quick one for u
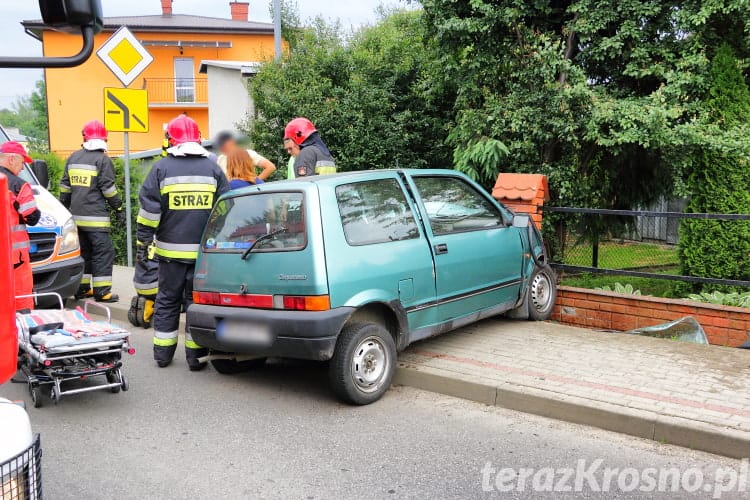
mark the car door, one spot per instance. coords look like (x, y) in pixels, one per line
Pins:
(478, 258)
(375, 249)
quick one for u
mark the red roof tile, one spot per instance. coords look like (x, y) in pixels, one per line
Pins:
(525, 187)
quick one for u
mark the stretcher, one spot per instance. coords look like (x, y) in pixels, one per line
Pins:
(58, 346)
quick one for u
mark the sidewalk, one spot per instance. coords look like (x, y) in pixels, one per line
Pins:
(690, 395)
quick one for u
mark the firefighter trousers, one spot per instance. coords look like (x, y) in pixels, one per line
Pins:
(175, 283)
(99, 256)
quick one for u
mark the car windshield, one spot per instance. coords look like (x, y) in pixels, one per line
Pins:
(237, 222)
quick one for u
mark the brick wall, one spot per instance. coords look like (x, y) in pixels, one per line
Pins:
(613, 311)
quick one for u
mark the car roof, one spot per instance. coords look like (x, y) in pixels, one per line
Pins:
(335, 178)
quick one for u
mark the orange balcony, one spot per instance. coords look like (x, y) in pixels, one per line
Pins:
(176, 92)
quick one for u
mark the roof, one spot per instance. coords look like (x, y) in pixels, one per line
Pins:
(526, 187)
(246, 68)
(174, 23)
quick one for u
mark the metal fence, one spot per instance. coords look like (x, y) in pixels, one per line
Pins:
(172, 91)
(630, 243)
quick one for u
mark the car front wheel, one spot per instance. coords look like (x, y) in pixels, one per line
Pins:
(542, 293)
(363, 363)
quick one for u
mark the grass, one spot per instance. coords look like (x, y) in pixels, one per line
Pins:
(648, 286)
(623, 255)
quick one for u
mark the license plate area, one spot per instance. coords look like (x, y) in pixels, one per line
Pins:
(244, 334)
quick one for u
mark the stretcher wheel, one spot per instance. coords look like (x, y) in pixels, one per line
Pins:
(124, 383)
(55, 394)
(111, 379)
(36, 396)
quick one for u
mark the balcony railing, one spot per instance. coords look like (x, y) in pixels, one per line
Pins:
(176, 91)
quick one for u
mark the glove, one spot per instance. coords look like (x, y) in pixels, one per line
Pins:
(141, 252)
(121, 217)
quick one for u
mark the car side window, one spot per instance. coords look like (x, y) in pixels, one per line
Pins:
(375, 212)
(453, 206)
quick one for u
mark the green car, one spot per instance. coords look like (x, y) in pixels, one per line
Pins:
(354, 267)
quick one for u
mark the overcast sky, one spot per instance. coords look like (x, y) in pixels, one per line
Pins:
(13, 40)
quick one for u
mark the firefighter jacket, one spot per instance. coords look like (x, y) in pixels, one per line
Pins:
(314, 158)
(22, 211)
(176, 199)
(87, 187)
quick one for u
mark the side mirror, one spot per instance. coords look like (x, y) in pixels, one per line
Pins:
(39, 167)
(521, 221)
(72, 15)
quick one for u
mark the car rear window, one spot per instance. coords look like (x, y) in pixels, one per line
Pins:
(237, 222)
(375, 212)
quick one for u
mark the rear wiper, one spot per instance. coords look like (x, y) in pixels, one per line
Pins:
(266, 236)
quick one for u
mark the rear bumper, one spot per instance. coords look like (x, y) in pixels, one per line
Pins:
(63, 277)
(295, 334)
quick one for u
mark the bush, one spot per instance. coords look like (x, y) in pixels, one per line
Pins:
(138, 173)
(55, 167)
(723, 299)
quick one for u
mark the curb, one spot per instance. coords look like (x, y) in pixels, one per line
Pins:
(648, 425)
(643, 424)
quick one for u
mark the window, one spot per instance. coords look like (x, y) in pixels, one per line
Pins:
(453, 206)
(184, 79)
(236, 223)
(375, 212)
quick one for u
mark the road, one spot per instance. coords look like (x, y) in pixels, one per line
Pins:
(279, 433)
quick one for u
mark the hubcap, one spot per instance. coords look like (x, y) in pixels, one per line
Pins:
(370, 364)
(541, 292)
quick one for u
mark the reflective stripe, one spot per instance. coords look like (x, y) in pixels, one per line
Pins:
(176, 250)
(187, 179)
(82, 166)
(325, 167)
(18, 227)
(147, 291)
(82, 172)
(146, 286)
(27, 206)
(165, 342)
(189, 344)
(166, 335)
(64, 188)
(110, 192)
(20, 245)
(86, 279)
(86, 221)
(148, 219)
(195, 188)
(102, 280)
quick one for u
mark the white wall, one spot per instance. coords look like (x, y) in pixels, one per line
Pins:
(228, 99)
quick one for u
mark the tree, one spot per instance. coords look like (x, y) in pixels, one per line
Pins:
(370, 94)
(29, 115)
(719, 182)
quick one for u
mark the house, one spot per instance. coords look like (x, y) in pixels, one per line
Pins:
(228, 92)
(179, 44)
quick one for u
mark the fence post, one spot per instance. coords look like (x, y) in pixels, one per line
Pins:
(595, 249)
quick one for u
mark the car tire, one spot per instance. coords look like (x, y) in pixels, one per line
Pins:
(233, 367)
(542, 293)
(363, 363)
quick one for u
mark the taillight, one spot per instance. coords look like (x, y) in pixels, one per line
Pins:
(233, 299)
(307, 302)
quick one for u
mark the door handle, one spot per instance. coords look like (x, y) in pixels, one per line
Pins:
(440, 249)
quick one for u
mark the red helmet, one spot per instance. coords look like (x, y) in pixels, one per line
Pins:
(298, 130)
(94, 130)
(183, 129)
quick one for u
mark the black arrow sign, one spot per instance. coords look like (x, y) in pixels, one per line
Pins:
(126, 114)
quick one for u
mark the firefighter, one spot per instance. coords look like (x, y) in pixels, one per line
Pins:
(146, 283)
(87, 187)
(314, 157)
(176, 200)
(23, 211)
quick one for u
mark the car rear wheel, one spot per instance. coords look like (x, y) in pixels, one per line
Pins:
(233, 367)
(363, 363)
(542, 293)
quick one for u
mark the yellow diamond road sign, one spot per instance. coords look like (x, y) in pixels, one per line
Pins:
(124, 55)
(125, 110)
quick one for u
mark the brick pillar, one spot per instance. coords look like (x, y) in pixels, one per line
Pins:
(523, 193)
(166, 7)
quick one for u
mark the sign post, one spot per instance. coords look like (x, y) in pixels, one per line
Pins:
(125, 110)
